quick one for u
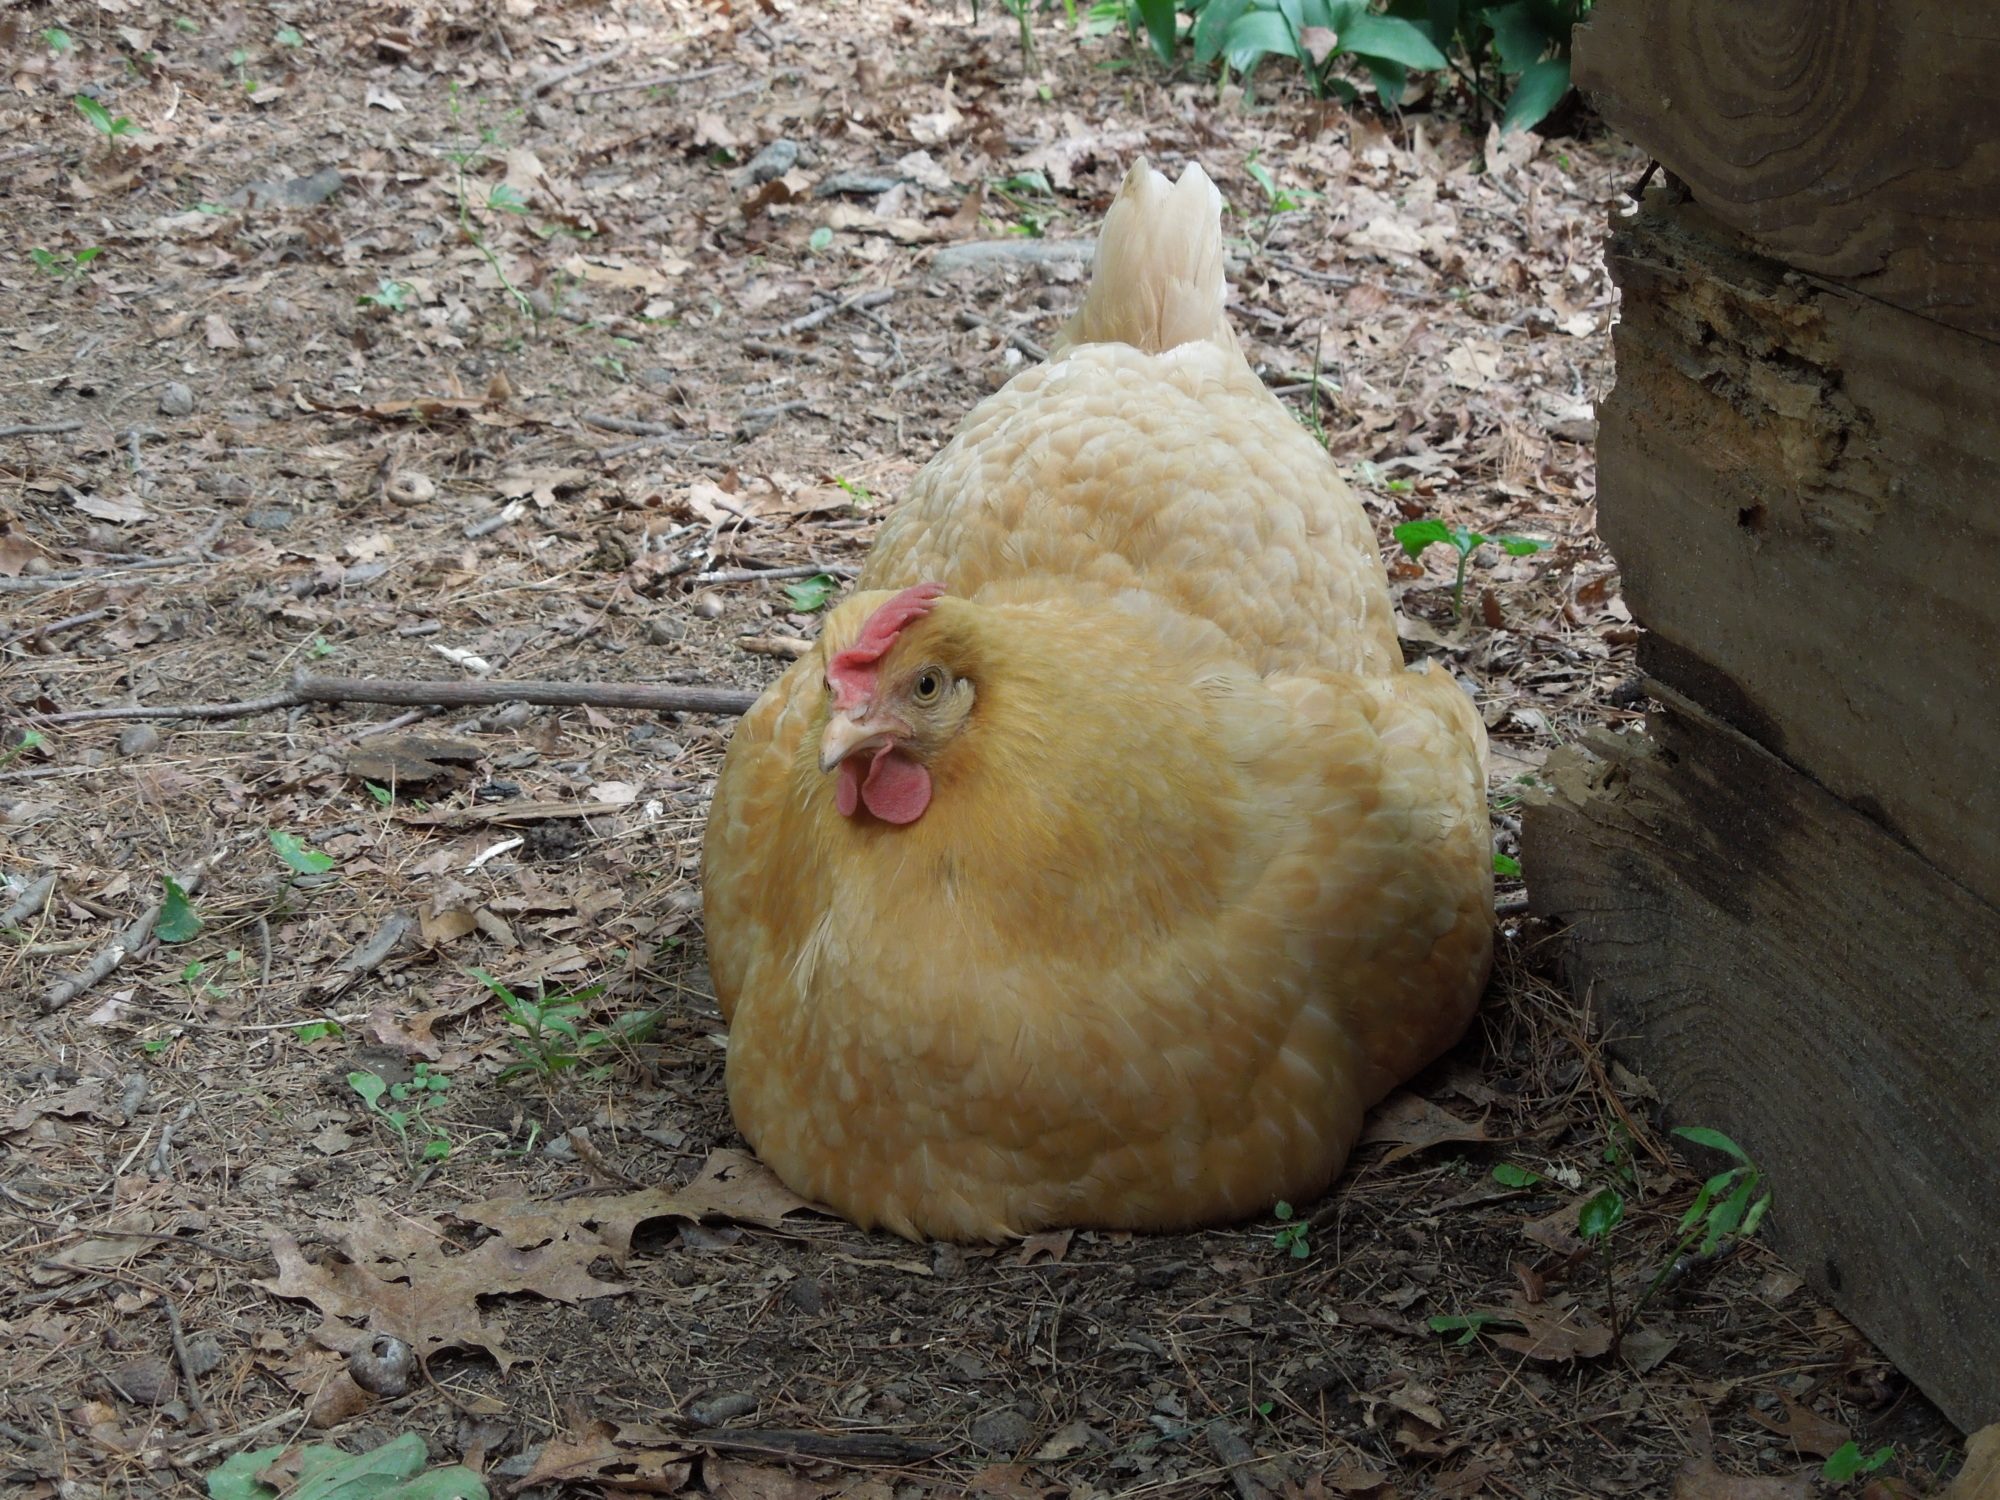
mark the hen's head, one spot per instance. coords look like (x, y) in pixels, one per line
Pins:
(896, 698)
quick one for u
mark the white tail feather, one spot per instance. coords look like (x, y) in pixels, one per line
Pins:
(1156, 280)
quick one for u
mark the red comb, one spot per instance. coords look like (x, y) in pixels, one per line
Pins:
(852, 672)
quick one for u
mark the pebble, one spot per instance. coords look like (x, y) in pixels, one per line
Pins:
(708, 604)
(724, 1406)
(664, 630)
(138, 740)
(775, 160)
(805, 1295)
(1002, 1433)
(176, 400)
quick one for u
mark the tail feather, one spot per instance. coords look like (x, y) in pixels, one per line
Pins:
(1156, 280)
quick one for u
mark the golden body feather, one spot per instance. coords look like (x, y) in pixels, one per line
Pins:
(1203, 872)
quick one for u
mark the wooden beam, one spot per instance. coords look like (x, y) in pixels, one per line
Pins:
(1857, 139)
(1785, 972)
(1800, 486)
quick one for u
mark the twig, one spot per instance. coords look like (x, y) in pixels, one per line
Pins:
(1237, 1456)
(128, 942)
(862, 1447)
(507, 514)
(895, 339)
(564, 74)
(761, 419)
(790, 647)
(1518, 906)
(668, 697)
(1019, 340)
(820, 315)
(33, 899)
(54, 627)
(757, 575)
(640, 445)
(186, 1361)
(633, 425)
(202, 1452)
(306, 688)
(656, 81)
(40, 429)
(81, 575)
(779, 351)
(184, 711)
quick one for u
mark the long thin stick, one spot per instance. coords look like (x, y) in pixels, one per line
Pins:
(696, 698)
(39, 429)
(121, 947)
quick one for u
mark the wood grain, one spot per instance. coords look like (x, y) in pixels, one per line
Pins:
(1783, 971)
(1799, 485)
(1857, 139)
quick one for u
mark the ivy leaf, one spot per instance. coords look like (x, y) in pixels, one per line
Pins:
(178, 921)
(298, 856)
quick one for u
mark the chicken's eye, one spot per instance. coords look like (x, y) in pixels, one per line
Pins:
(929, 684)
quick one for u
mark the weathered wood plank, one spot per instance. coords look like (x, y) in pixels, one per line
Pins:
(1800, 486)
(1857, 139)
(1787, 973)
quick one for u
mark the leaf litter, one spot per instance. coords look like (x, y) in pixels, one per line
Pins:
(391, 353)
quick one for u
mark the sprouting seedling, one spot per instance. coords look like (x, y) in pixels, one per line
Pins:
(1291, 1237)
(60, 41)
(1277, 199)
(407, 1102)
(106, 124)
(294, 853)
(64, 264)
(1417, 537)
(178, 921)
(1468, 1326)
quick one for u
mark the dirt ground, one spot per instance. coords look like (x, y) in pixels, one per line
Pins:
(428, 341)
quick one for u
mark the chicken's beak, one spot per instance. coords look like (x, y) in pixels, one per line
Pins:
(852, 732)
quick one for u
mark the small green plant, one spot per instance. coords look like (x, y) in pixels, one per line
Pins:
(63, 264)
(31, 739)
(1031, 200)
(1506, 865)
(390, 296)
(318, 1031)
(1278, 200)
(1849, 1462)
(195, 979)
(239, 59)
(177, 921)
(818, 241)
(288, 37)
(382, 795)
(499, 199)
(1417, 537)
(859, 493)
(810, 595)
(1525, 40)
(1467, 1326)
(1317, 34)
(111, 127)
(404, 1111)
(1508, 1174)
(292, 850)
(186, 25)
(549, 1035)
(1291, 1238)
(60, 42)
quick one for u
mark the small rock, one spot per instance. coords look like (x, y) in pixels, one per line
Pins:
(724, 1406)
(406, 487)
(267, 518)
(775, 160)
(140, 739)
(805, 1295)
(708, 604)
(665, 630)
(1002, 1433)
(176, 400)
(861, 183)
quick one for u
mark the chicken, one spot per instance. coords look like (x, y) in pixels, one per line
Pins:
(1102, 864)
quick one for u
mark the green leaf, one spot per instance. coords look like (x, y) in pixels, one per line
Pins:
(288, 37)
(1540, 90)
(1519, 38)
(1281, 1210)
(1391, 39)
(1391, 80)
(1756, 1216)
(313, 1031)
(369, 1086)
(1255, 33)
(1848, 1461)
(1506, 864)
(1470, 1326)
(1520, 546)
(1414, 536)
(298, 856)
(811, 594)
(1509, 1175)
(99, 117)
(507, 200)
(1162, 26)
(1601, 1215)
(820, 239)
(177, 922)
(1212, 25)
(1715, 1140)
(59, 41)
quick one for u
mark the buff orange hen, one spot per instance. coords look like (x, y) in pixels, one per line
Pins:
(1102, 863)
